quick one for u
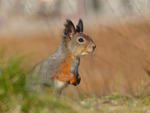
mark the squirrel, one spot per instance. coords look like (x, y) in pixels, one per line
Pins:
(61, 68)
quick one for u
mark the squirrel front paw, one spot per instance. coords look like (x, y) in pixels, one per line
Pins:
(79, 79)
(73, 80)
(76, 81)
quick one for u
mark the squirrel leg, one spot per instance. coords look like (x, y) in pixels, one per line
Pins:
(66, 77)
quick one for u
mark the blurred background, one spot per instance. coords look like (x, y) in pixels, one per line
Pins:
(120, 29)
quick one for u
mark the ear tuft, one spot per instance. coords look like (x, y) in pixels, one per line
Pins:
(79, 27)
(69, 28)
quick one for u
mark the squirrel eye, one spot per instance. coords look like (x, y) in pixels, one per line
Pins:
(80, 40)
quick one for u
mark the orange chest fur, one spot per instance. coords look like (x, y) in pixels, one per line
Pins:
(64, 73)
(66, 65)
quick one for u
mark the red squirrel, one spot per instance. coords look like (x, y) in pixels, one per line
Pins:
(61, 68)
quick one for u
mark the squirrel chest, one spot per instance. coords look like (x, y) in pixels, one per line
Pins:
(68, 68)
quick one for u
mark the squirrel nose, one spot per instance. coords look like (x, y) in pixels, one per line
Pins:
(94, 46)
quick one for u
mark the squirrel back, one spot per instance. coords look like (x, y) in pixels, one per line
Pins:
(61, 68)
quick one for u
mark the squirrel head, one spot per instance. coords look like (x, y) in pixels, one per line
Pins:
(77, 42)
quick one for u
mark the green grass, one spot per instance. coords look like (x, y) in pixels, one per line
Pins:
(14, 98)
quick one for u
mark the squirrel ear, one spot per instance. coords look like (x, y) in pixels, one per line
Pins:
(69, 28)
(79, 27)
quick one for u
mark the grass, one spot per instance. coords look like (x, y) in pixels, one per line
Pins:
(16, 99)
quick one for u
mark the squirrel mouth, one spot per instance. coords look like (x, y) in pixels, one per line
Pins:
(90, 51)
(86, 52)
